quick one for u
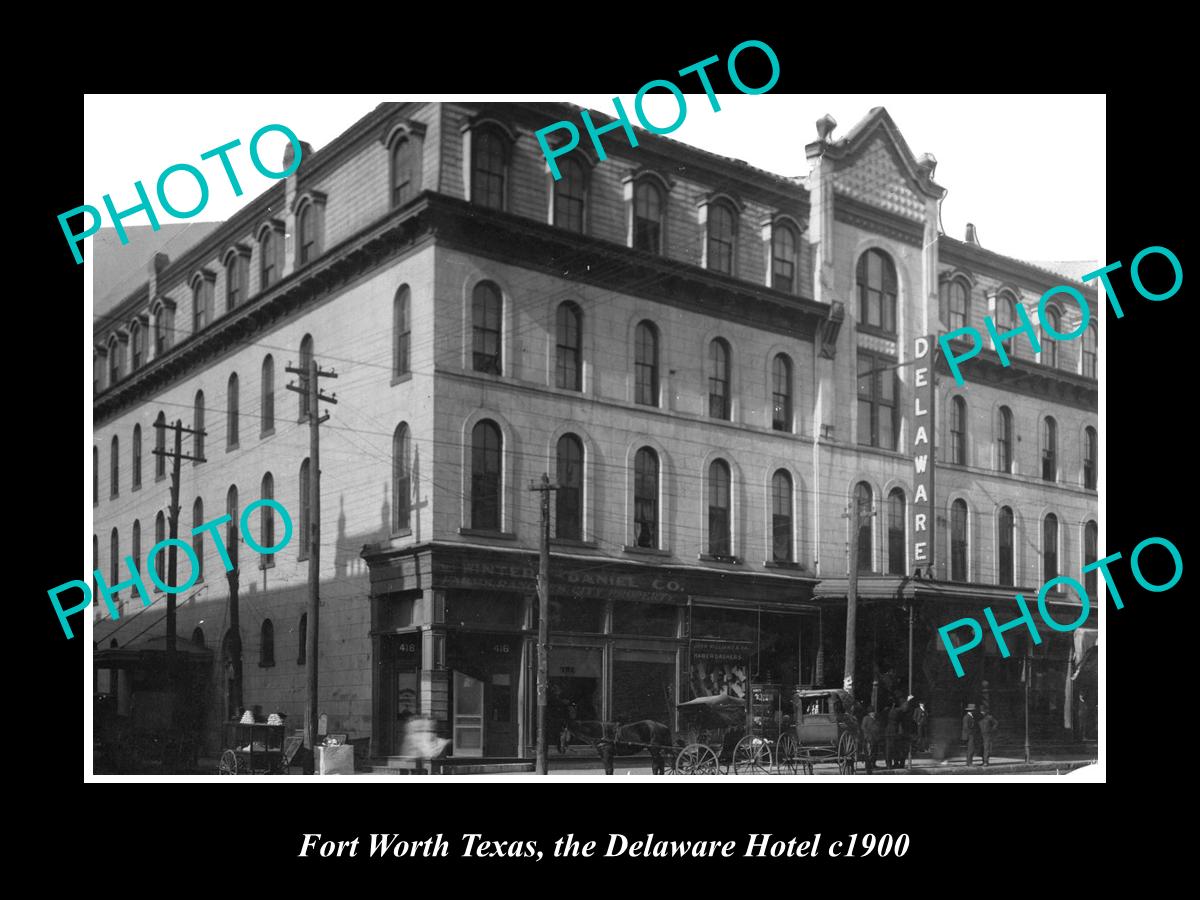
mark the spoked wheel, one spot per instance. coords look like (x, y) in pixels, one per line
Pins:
(752, 756)
(228, 764)
(696, 759)
(787, 755)
(847, 751)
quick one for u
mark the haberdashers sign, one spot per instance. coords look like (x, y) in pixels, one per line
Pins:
(922, 451)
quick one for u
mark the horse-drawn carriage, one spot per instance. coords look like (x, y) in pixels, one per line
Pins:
(718, 741)
(824, 731)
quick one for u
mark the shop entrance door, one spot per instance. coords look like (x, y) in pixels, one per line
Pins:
(501, 731)
(468, 715)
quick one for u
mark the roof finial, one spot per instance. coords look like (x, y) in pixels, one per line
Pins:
(825, 126)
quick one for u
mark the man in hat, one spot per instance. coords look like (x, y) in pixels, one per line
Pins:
(970, 732)
(988, 725)
(920, 720)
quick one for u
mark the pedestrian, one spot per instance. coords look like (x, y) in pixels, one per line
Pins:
(970, 732)
(870, 734)
(891, 733)
(898, 724)
(988, 725)
(920, 719)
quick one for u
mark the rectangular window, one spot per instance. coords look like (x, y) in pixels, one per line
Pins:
(877, 407)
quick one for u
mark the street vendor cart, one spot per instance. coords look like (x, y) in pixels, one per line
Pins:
(717, 741)
(252, 749)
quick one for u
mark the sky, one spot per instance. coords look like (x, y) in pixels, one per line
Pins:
(1027, 170)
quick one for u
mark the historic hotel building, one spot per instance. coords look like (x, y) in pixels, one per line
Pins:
(674, 337)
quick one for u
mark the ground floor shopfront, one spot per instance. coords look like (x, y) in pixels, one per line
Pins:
(454, 632)
(1052, 686)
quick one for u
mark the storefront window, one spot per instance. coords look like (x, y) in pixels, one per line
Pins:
(576, 614)
(643, 685)
(725, 624)
(647, 619)
(575, 688)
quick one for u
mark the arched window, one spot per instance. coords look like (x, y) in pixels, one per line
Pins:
(306, 358)
(647, 217)
(645, 498)
(231, 527)
(646, 364)
(486, 445)
(401, 479)
(1050, 344)
(955, 293)
(267, 522)
(302, 651)
(569, 344)
(1089, 352)
(1049, 449)
(237, 279)
(958, 540)
(784, 256)
(137, 456)
(270, 253)
(568, 499)
(1049, 547)
(231, 413)
(114, 480)
(877, 291)
(864, 502)
(114, 361)
(405, 168)
(198, 537)
(958, 431)
(309, 226)
(1090, 541)
(198, 637)
(266, 644)
(722, 231)
(135, 544)
(1006, 319)
(489, 168)
(781, 517)
(781, 393)
(164, 326)
(160, 535)
(402, 329)
(114, 550)
(570, 194)
(305, 485)
(198, 425)
(160, 445)
(95, 474)
(718, 379)
(202, 301)
(268, 395)
(897, 561)
(485, 322)
(1005, 545)
(1090, 449)
(1004, 440)
(137, 346)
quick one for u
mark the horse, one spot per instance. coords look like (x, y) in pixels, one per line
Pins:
(614, 739)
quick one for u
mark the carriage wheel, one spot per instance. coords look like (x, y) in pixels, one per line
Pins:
(228, 764)
(696, 759)
(752, 756)
(847, 751)
(787, 755)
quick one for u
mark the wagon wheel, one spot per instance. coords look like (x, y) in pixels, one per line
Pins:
(787, 758)
(228, 764)
(697, 759)
(847, 751)
(752, 756)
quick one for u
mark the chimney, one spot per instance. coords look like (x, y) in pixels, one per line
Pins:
(972, 238)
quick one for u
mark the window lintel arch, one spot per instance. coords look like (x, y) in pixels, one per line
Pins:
(723, 198)
(308, 197)
(484, 121)
(233, 251)
(272, 227)
(161, 304)
(663, 182)
(584, 155)
(784, 220)
(200, 276)
(401, 129)
(966, 276)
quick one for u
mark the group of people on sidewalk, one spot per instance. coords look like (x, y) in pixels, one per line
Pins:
(979, 730)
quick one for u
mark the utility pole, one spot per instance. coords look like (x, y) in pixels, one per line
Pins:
(235, 622)
(173, 509)
(312, 400)
(543, 621)
(856, 516)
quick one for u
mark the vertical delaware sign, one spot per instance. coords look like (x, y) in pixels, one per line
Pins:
(922, 450)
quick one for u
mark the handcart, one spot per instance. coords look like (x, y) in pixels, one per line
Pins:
(253, 749)
(716, 739)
